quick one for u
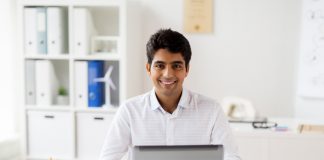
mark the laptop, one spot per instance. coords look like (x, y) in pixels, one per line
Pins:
(187, 152)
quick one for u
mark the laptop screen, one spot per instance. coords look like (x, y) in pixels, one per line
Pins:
(187, 152)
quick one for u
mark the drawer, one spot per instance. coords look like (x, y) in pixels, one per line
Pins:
(50, 134)
(91, 132)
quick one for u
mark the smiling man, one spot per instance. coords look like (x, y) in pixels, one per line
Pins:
(169, 114)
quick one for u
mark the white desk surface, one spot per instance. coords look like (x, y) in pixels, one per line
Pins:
(246, 129)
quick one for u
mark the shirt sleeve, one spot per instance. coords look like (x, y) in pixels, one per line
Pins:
(118, 137)
(222, 134)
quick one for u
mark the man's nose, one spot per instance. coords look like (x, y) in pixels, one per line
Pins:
(168, 72)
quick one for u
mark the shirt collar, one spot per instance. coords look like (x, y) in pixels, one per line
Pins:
(184, 99)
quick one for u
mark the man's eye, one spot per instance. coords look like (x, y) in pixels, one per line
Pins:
(177, 66)
(159, 66)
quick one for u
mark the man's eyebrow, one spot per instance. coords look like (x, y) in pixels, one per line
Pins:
(174, 62)
(159, 62)
(177, 62)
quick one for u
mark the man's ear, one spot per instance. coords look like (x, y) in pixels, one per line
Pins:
(148, 68)
(187, 69)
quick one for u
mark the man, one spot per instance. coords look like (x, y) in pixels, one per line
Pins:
(169, 114)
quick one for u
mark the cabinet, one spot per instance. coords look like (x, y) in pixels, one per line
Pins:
(50, 134)
(91, 130)
(267, 144)
(57, 41)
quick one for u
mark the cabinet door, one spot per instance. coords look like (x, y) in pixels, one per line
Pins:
(91, 132)
(298, 147)
(50, 134)
(252, 148)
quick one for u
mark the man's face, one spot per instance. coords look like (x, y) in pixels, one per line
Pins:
(167, 72)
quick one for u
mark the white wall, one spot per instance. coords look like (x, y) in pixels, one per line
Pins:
(7, 68)
(252, 52)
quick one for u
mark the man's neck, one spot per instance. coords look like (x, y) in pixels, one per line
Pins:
(169, 102)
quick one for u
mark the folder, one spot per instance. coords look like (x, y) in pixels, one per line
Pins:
(46, 83)
(41, 30)
(57, 41)
(311, 128)
(81, 83)
(95, 89)
(83, 30)
(30, 31)
(30, 91)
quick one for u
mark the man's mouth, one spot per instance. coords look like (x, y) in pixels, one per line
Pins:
(168, 82)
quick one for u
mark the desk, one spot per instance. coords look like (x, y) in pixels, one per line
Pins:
(265, 144)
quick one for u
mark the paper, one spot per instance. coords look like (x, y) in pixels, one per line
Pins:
(311, 71)
(198, 16)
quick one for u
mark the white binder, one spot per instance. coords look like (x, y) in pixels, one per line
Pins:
(46, 83)
(30, 91)
(57, 30)
(81, 83)
(83, 30)
(41, 30)
(30, 30)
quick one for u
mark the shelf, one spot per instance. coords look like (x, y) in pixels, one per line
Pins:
(68, 108)
(95, 3)
(97, 30)
(98, 110)
(43, 158)
(49, 108)
(77, 3)
(107, 57)
(45, 3)
(112, 38)
(48, 57)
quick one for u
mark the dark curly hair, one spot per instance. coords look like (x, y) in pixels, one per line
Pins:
(170, 40)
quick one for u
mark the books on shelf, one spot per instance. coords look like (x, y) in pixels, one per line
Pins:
(35, 41)
(30, 90)
(42, 83)
(57, 30)
(83, 30)
(95, 89)
(46, 33)
(45, 30)
(81, 83)
(46, 82)
(92, 86)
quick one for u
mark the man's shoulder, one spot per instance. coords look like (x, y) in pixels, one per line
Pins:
(137, 101)
(203, 100)
(200, 97)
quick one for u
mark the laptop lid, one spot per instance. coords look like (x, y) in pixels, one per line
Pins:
(187, 152)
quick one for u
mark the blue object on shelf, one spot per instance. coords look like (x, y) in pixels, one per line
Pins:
(95, 89)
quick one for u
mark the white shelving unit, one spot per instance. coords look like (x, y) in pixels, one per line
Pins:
(71, 132)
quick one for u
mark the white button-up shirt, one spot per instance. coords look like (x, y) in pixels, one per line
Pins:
(141, 120)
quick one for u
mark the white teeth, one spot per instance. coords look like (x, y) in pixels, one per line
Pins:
(170, 82)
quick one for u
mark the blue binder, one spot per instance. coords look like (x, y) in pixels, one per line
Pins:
(95, 89)
(41, 30)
